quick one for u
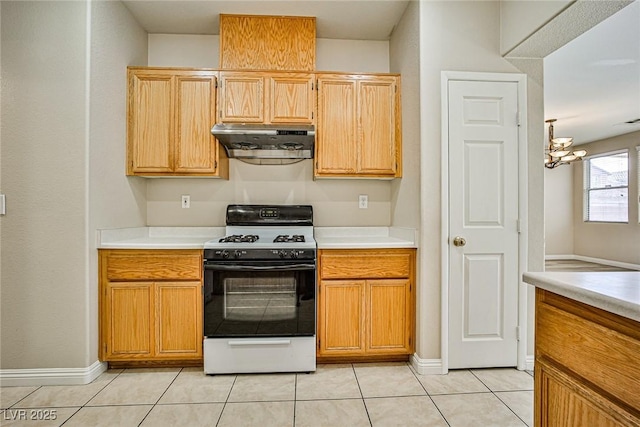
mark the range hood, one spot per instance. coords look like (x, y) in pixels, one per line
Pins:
(266, 144)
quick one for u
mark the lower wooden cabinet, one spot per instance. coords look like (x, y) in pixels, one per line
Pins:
(150, 305)
(587, 366)
(366, 303)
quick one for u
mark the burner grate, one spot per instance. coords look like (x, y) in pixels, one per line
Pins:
(285, 238)
(240, 238)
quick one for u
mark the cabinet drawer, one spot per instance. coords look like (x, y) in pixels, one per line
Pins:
(345, 264)
(154, 265)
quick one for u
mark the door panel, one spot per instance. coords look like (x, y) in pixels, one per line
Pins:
(342, 317)
(195, 146)
(377, 127)
(242, 98)
(179, 314)
(150, 127)
(291, 99)
(483, 210)
(337, 130)
(129, 308)
(388, 317)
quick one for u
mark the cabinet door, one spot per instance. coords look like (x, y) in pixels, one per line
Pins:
(242, 98)
(150, 118)
(195, 147)
(291, 99)
(341, 328)
(377, 126)
(337, 126)
(179, 320)
(388, 316)
(128, 320)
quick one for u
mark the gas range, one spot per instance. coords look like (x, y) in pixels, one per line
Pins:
(259, 292)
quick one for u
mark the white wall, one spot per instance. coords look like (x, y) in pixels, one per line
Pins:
(558, 211)
(44, 148)
(115, 200)
(472, 44)
(609, 241)
(335, 202)
(63, 124)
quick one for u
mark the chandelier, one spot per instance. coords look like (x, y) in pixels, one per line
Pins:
(557, 152)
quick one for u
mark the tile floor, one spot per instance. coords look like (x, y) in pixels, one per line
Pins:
(389, 394)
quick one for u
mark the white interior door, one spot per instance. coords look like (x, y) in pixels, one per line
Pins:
(483, 224)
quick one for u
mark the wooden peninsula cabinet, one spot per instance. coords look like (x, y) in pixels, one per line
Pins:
(366, 304)
(170, 112)
(358, 126)
(150, 305)
(587, 359)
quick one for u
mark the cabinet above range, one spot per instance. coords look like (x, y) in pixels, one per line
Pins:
(356, 119)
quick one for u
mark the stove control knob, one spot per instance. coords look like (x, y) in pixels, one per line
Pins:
(225, 254)
(293, 254)
(237, 254)
(282, 254)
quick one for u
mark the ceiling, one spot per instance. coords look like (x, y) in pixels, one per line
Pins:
(355, 20)
(592, 84)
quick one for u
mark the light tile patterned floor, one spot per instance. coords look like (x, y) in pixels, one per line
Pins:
(383, 394)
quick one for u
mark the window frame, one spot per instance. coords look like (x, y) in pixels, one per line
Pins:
(587, 189)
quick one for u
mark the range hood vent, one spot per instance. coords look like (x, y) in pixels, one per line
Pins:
(266, 144)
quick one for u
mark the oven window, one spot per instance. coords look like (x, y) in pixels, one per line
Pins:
(249, 304)
(268, 299)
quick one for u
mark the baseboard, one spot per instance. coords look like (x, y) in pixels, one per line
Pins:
(426, 366)
(594, 260)
(51, 376)
(529, 362)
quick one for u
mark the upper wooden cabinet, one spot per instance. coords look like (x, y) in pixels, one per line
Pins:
(358, 126)
(267, 42)
(170, 113)
(261, 97)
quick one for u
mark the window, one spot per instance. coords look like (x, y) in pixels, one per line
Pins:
(606, 187)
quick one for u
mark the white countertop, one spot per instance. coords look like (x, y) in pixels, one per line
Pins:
(365, 237)
(195, 237)
(617, 292)
(158, 237)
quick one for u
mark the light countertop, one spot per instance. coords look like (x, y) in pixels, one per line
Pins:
(365, 237)
(195, 237)
(158, 237)
(617, 292)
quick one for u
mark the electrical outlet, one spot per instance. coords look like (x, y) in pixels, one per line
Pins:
(186, 201)
(363, 201)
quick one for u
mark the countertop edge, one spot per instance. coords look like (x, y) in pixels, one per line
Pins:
(592, 297)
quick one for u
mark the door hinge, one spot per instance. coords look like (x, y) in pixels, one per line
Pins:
(518, 336)
(311, 85)
(518, 118)
(216, 86)
(215, 164)
(312, 115)
(519, 225)
(105, 348)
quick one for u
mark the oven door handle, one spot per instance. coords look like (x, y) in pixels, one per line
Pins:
(287, 267)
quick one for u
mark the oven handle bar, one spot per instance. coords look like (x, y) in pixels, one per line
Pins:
(287, 267)
(258, 342)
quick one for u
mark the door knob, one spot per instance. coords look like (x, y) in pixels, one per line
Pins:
(459, 241)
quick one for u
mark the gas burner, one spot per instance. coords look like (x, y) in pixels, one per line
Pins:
(285, 238)
(240, 238)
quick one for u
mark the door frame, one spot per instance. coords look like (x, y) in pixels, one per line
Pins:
(521, 81)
